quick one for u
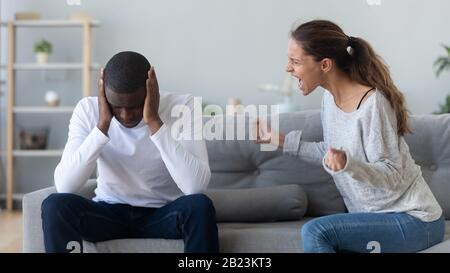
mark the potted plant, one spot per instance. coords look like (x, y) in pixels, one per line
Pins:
(42, 49)
(443, 63)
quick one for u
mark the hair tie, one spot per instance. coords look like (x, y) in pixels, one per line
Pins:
(350, 47)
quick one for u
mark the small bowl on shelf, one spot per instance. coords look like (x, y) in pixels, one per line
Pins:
(34, 138)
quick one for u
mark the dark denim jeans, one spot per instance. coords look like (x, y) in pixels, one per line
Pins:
(67, 219)
(371, 232)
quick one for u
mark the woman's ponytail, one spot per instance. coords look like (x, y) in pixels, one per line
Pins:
(368, 68)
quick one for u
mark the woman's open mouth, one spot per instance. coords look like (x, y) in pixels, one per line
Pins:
(300, 84)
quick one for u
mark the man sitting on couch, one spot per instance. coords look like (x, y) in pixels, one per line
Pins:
(149, 184)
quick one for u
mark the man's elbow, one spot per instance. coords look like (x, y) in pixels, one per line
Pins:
(63, 185)
(199, 185)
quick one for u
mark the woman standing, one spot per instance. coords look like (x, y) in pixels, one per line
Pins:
(364, 119)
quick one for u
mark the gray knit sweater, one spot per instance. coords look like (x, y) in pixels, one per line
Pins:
(380, 175)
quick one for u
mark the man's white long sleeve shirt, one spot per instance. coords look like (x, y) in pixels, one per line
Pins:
(134, 167)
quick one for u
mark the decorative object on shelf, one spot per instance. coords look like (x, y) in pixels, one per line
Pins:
(443, 63)
(235, 106)
(210, 110)
(27, 16)
(42, 49)
(34, 138)
(286, 90)
(52, 98)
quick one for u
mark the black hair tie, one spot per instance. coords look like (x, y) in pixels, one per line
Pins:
(351, 40)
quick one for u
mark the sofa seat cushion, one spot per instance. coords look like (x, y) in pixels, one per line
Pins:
(135, 246)
(234, 237)
(237, 237)
(262, 204)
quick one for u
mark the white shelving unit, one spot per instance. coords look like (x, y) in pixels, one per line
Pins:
(51, 23)
(15, 196)
(31, 109)
(2, 109)
(85, 66)
(37, 153)
(52, 66)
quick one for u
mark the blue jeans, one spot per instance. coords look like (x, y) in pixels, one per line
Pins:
(67, 219)
(371, 232)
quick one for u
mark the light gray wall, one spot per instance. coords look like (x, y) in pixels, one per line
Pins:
(227, 48)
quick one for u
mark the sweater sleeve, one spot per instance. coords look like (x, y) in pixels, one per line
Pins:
(311, 152)
(83, 147)
(383, 165)
(185, 156)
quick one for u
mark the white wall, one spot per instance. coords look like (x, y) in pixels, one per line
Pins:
(227, 48)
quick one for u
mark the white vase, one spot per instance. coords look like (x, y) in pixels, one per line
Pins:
(41, 58)
(52, 98)
(287, 105)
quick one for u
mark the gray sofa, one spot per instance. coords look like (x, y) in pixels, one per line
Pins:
(241, 164)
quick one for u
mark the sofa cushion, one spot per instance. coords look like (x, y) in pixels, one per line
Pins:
(429, 146)
(241, 164)
(274, 237)
(266, 204)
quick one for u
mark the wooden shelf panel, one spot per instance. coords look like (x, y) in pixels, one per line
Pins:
(51, 66)
(50, 23)
(37, 153)
(33, 109)
(15, 196)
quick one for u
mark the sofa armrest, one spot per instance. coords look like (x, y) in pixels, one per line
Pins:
(33, 237)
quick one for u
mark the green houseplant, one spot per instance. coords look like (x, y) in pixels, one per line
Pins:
(42, 49)
(441, 64)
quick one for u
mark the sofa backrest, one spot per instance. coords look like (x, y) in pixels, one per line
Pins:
(429, 145)
(241, 163)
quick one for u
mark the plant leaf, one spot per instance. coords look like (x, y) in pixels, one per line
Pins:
(441, 64)
(447, 48)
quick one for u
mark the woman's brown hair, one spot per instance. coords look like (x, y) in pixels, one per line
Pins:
(324, 39)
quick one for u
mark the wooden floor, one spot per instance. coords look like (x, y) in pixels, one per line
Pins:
(10, 231)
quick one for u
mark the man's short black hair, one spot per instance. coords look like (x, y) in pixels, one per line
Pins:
(126, 72)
